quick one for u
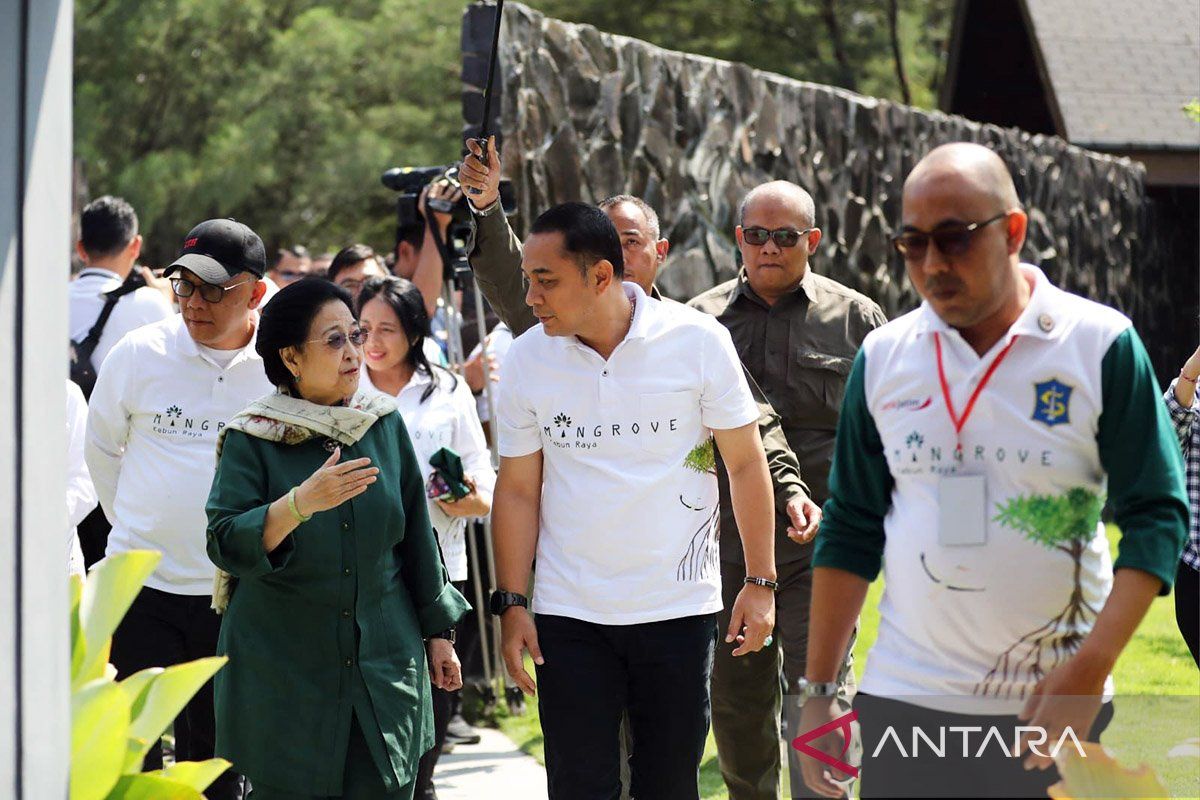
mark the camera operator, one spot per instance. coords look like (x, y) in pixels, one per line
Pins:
(417, 256)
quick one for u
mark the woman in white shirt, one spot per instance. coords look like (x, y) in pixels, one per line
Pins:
(439, 411)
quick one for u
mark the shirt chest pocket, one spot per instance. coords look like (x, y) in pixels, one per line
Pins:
(666, 422)
(816, 384)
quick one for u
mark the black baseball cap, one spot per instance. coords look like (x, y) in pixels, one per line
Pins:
(218, 249)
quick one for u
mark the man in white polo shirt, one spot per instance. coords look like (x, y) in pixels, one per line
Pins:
(978, 439)
(109, 246)
(161, 398)
(607, 417)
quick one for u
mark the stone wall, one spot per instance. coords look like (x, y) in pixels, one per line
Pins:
(587, 114)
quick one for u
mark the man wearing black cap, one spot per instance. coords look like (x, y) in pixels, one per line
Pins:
(162, 396)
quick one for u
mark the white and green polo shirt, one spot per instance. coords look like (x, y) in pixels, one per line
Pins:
(1071, 416)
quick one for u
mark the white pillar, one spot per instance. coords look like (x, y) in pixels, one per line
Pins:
(35, 213)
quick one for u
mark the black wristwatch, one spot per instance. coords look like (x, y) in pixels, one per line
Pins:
(446, 634)
(502, 601)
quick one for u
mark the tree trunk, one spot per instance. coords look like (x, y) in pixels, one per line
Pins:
(893, 13)
(829, 17)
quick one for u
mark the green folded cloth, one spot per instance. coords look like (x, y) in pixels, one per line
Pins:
(447, 464)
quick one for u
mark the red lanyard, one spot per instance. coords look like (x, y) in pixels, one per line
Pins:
(958, 421)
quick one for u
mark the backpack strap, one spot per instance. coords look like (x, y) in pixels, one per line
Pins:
(90, 341)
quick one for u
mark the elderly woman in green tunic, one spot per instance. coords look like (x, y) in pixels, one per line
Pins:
(338, 610)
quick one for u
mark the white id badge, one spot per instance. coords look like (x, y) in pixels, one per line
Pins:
(962, 510)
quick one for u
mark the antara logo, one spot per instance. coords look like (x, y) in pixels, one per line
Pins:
(842, 725)
(912, 404)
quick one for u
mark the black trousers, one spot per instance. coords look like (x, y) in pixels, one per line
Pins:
(162, 629)
(917, 772)
(1187, 606)
(657, 672)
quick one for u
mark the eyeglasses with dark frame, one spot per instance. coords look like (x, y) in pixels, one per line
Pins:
(952, 241)
(338, 340)
(784, 237)
(209, 292)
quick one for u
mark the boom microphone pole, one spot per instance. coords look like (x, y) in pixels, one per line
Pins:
(487, 89)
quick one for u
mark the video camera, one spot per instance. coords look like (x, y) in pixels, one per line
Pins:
(409, 182)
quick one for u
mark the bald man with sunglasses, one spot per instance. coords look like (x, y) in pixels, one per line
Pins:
(797, 332)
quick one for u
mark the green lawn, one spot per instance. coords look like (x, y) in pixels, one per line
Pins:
(1156, 663)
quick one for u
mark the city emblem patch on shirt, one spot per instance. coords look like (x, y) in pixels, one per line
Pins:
(1052, 402)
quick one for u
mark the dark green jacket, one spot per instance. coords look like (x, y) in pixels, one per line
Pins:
(331, 622)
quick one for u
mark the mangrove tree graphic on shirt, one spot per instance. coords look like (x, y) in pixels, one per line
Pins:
(562, 422)
(1063, 523)
(700, 559)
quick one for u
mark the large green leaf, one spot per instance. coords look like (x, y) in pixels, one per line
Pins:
(169, 692)
(99, 719)
(196, 774)
(107, 595)
(152, 786)
(77, 646)
(137, 687)
(1095, 773)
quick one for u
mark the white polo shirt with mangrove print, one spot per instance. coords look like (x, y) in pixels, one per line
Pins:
(628, 526)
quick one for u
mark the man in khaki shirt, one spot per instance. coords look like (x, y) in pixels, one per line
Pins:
(797, 333)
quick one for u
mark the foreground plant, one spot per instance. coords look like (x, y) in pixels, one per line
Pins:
(115, 723)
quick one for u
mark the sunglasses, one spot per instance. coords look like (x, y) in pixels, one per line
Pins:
(209, 292)
(337, 340)
(784, 237)
(952, 240)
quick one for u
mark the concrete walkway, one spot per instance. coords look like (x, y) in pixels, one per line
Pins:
(494, 769)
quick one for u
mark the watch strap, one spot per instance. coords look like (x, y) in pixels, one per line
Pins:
(767, 582)
(487, 211)
(501, 601)
(807, 688)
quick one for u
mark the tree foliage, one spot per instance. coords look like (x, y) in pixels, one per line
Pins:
(702, 458)
(1053, 520)
(840, 42)
(283, 113)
